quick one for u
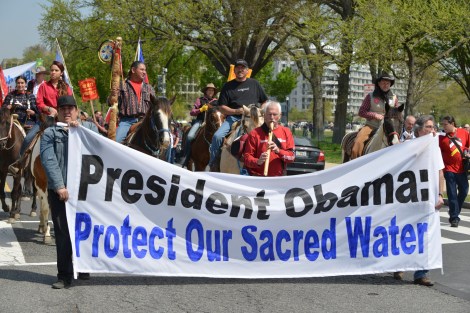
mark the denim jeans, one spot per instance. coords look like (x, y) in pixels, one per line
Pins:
(29, 138)
(219, 136)
(62, 237)
(124, 124)
(457, 189)
(420, 274)
(191, 135)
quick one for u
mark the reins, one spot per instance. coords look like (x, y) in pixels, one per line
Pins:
(9, 135)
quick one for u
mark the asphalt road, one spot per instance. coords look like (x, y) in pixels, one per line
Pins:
(25, 280)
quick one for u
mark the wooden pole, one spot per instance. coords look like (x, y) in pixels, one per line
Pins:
(270, 138)
(93, 110)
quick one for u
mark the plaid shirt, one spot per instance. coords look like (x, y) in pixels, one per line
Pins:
(128, 102)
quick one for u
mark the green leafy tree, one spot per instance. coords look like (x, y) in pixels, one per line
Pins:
(280, 85)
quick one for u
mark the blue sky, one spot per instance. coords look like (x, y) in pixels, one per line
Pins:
(19, 20)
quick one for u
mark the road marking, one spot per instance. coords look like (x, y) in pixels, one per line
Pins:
(10, 249)
(455, 230)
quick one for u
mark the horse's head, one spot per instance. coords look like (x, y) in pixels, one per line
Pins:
(253, 117)
(160, 118)
(5, 123)
(393, 123)
(214, 118)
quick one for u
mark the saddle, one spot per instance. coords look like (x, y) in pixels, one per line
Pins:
(132, 131)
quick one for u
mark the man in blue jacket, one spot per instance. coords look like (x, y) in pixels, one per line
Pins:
(54, 154)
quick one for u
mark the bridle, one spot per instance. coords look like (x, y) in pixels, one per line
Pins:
(152, 143)
(8, 137)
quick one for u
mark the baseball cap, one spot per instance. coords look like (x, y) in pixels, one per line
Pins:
(66, 100)
(241, 62)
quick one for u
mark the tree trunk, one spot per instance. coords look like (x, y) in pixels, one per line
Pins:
(318, 114)
(410, 103)
(339, 129)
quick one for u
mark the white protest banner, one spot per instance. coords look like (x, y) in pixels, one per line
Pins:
(131, 213)
(25, 69)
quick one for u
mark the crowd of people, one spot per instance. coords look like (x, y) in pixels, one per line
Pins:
(272, 143)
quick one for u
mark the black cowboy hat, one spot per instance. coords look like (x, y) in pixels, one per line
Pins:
(386, 76)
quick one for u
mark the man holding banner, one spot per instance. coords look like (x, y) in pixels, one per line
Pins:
(54, 151)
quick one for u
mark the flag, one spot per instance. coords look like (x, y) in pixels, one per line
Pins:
(3, 87)
(139, 56)
(60, 57)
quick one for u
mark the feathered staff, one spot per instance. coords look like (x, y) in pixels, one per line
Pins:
(116, 75)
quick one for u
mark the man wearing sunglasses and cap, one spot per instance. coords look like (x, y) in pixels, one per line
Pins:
(234, 96)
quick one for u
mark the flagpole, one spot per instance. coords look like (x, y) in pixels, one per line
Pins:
(137, 52)
(65, 67)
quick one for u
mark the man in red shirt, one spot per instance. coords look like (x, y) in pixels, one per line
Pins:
(282, 145)
(454, 144)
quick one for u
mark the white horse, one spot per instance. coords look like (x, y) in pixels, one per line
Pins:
(251, 119)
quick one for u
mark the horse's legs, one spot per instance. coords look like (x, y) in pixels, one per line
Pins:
(3, 178)
(34, 205)
(44, 227)
(28, 182)
(15, 199)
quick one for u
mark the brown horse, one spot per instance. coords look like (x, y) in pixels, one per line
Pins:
(199, 153)
(11, 139)
(152, 135)
(250, 120)
(386, 135)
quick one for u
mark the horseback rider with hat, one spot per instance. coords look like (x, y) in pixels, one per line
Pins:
(373, 110)
(200, 107)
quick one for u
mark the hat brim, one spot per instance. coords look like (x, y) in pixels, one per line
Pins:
(205, 89)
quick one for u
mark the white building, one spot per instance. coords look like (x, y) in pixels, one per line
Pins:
(360, 84)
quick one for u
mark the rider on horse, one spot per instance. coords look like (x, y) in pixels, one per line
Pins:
(373, 110)
(46, 102)
(134, 99)
(200, 107)
(234, 96)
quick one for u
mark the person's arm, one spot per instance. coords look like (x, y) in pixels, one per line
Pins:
(440, 200)
(196, 108)
(250, 158)
(49, 161)
(287, 154)
(40, 104)
(225, 110)
(32, 104)
(7, 100)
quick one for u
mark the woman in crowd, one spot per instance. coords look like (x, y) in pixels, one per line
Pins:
(24, 104)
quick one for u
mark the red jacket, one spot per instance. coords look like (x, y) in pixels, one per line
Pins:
(450, 154)
(47, 97)
(257, 143)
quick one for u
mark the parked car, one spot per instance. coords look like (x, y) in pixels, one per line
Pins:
(308, 158)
